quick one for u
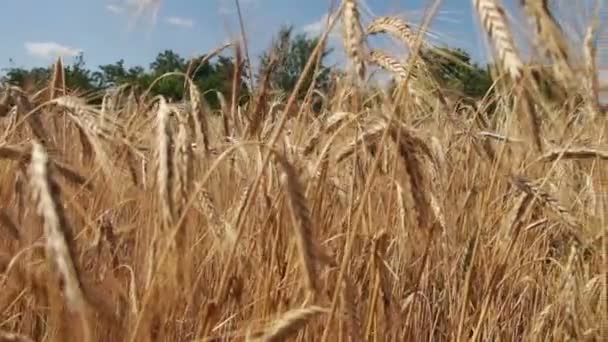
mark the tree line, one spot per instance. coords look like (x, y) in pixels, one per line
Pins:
(283, 63)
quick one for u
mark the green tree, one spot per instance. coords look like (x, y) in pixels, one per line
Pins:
(456, 71)
(111, 75)
(78, 78)
(290, 54)
(172, 87)
(167, 61)
(209, 77)
(24, 78)
(217, 77)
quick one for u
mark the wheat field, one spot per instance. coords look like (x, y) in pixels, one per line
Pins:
(403, 215)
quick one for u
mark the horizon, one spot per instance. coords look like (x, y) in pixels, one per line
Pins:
(118, 29)
(137, 35)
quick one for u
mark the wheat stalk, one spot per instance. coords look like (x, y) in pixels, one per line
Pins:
(575, 153)
(349, 298)
(290, 323)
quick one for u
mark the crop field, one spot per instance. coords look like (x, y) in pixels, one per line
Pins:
(360, 213)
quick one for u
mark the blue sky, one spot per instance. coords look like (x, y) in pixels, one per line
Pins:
(35, 31)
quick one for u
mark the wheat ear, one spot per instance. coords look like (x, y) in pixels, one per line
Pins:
(369, 137)
(353, 36)
(14, 153)
(395, 27)
(182, 161)
(4, 103)
(551, 38)
(33, 120)
(57, 85)
(548, 201)
(590, 57)
(388, 63)
(201, 127)
(165, 162)
(415, 153)
(302, 223)
(514, 216)
(57, 231)
(332, 123)
(494, 21)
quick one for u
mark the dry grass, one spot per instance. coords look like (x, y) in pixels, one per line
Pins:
(388, 220)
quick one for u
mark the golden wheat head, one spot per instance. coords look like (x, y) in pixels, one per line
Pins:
(494, 21)
(353, 36)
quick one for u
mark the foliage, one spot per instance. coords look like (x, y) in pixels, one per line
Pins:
(290, 53)
(209, 77)
(456, 70)
(111, 75)
(287, 56)
(27, 78)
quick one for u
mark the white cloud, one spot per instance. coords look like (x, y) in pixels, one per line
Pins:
(143, 3)
(115, 9)
(317, 28)
(181, 22)
(334, 38)
(138, 7)
(50, 49)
